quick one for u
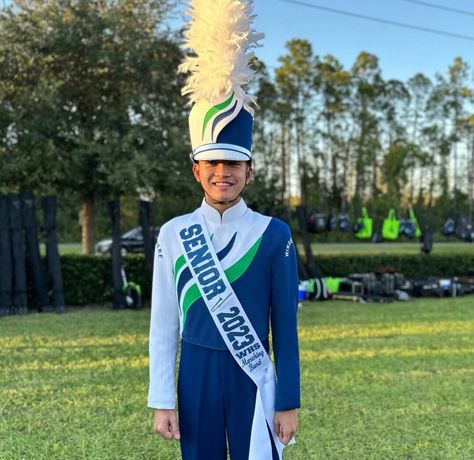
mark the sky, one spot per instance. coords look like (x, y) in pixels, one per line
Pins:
(402, 52)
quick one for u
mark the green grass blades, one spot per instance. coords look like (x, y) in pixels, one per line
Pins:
(379, 381)
(74, 386)
(391, 248)
(387, 381)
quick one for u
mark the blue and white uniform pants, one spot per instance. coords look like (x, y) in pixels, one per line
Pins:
(216, 405)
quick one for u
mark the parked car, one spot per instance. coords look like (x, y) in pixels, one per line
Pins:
(131, 241)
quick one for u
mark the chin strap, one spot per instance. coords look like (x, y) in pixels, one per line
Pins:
(230, 201)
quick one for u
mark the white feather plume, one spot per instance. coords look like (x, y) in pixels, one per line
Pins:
(221, 35)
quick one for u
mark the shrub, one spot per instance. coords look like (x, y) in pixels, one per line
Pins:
(89, 279)
(410, 265)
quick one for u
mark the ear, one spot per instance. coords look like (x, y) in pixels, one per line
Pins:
(196, 172)
(250, 175)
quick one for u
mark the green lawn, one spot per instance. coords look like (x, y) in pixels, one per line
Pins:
(390, 381)
(387, 248)
(64, 248)
(356, 247)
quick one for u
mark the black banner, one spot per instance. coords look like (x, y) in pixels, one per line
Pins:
(117, 263)
(303, 224)
(20, 299)
(144, 217)
(6, 267)
(49, 206)
(33, 258)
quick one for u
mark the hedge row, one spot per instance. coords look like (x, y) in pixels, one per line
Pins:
(412, 266)
(89, 279)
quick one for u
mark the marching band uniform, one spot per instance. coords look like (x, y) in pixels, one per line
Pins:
(213, 391)
(220, 398)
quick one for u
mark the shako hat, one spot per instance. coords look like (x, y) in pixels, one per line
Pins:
(221, 37)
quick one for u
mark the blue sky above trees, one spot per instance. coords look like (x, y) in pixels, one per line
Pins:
(402, 52)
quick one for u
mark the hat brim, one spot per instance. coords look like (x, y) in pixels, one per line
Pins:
(227, 152)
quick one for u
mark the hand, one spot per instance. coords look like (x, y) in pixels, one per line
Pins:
(165, 424)
(285, 423)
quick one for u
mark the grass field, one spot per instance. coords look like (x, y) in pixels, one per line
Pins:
(379, 381)
(388, 248)
(343, 248)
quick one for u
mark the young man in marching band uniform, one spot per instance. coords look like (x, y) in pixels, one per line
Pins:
(224, 276)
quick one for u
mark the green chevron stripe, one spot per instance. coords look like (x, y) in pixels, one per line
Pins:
(180, 261)
(213, 111)
(192, 294)
(233, 273)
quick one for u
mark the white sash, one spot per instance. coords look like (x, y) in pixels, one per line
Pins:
(236, 330)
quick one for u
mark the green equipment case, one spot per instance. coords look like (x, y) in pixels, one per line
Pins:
(366, 224)
(413, 218)
(333, 284)
(391, 226)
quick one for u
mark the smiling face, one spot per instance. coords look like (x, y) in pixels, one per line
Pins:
(222, 181)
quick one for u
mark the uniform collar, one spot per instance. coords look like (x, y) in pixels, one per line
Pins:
(231, 214)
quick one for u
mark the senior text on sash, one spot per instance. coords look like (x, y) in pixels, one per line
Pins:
(208, 277)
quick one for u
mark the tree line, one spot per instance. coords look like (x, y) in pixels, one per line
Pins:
(90, 110)
(340, 138)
